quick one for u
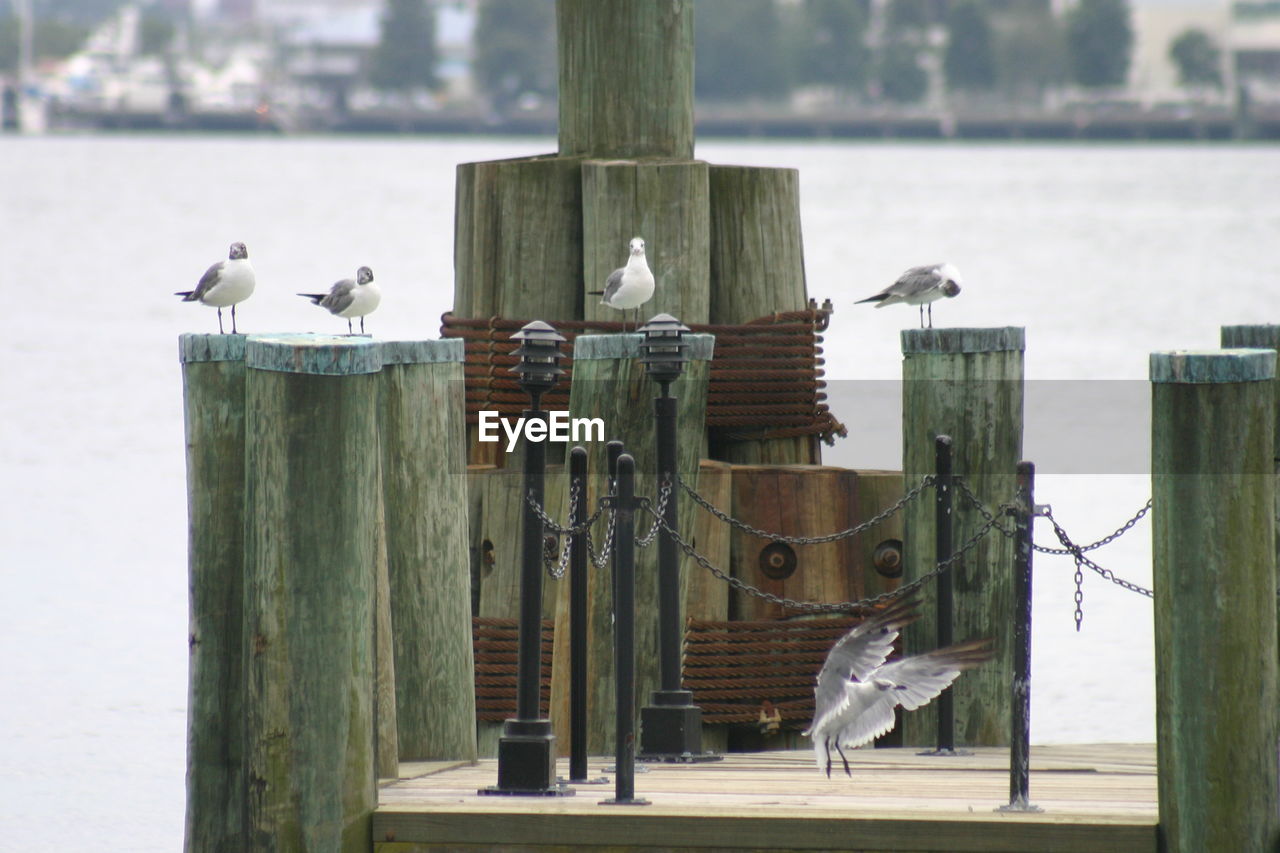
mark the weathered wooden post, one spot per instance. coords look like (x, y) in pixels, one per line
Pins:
(965, 383)
(213, 397)
(1261, 337)
(423, 434)
(312, 497)
(1213, 490)
(609, 382)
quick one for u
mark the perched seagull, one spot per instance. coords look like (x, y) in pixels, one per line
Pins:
(630, 286)
(349, 298)
(857, 691)
(920, 286)
(225, 283)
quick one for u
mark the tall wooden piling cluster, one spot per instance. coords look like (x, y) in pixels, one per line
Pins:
(534, 235)
(297, 554)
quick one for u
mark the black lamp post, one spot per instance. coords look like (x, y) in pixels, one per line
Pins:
(671, 726)
(526, 750)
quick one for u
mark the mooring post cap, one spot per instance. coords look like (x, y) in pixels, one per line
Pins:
(1207, 366)
(196, 348)
(423, 352)
(320, 355)
(955, 341)
(700, 346)
(1260, 336)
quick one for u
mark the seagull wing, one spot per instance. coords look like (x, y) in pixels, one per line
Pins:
(868, 714)
(611, 285)
(916, 681)
(914, 281)
(855, 656)
(207, 281)
(340, 296)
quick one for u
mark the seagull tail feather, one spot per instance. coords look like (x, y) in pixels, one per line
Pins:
(314, 297)
(595, 293)
(187, 295)
(879, 297)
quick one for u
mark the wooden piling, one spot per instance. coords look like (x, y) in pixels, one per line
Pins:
(312, 495)
(1213, 490)
(213, 405)
(626, 77)
(1261, 337)
(667, 204)
(425, 490)
(609, 382)
(965, 383)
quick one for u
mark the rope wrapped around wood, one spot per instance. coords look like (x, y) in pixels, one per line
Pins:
(766, 376)
(735, 668)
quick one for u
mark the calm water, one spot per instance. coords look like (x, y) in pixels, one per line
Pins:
(1103, 253)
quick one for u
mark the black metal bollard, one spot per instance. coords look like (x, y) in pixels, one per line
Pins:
(624, 641)
(578, 620)
(1020, 736)
(526, 750)
(944, 490)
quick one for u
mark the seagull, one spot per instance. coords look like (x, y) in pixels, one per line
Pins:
(630, 286)
(225, 283)
(920, 286)
(349, 298)
(857, 691)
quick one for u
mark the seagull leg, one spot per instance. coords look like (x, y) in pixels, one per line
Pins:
(362, 324)
(930, 315)
(220, 322)
(842, 758)
(350, 331)
(826, 743)
(233, 320)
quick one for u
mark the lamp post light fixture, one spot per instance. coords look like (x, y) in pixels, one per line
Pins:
(526, 749)
(671, 725)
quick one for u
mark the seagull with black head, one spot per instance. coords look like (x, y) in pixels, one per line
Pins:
(920, 286)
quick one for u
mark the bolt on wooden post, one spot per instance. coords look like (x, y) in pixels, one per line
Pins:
(1213, 493)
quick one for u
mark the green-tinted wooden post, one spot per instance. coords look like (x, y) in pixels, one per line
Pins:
(213, 397)
(626, 77)
(965, 383)
(609, 382)
(1213, 489)
(423, 433)
(1261, 337)
(312, 496)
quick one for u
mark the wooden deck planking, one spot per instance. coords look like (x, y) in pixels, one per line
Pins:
(1096, 798)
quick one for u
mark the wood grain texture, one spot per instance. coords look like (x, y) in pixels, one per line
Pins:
(311, 500)
(666, 203)
(794, 500)
(617, 390)
(952, 386)
(757, 268)
(1213, 487)
(213, 398)
(429, 559)
(626, 77)
(1096, 797)
(518, 239)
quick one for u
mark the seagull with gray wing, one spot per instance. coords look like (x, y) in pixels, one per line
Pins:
(857, 691)
(920, 286)
(350, 299)
(630, 286)
(225, 283)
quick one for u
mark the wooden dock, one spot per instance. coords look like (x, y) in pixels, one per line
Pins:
(1095, 798)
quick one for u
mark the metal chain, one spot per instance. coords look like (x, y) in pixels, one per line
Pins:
(1081, 560)
(911, 495)
(974, 500)
(816, 607)
(601, 559)
(664, 495)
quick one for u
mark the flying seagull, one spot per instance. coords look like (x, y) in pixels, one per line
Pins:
(857, 691)
(350, 299)
(630, 286)
(225, 283)
(920, 286)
